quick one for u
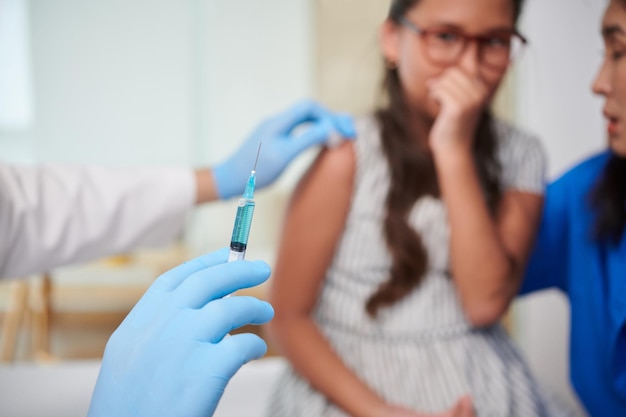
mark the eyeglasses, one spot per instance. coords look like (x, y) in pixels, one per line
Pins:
(446, 45)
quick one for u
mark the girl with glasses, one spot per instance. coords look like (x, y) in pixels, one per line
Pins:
(402, 250)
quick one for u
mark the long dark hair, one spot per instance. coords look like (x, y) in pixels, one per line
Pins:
(608, 199)
(413, 175)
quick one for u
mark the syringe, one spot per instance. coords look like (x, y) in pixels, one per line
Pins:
(243, 219)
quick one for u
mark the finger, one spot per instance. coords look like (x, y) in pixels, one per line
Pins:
(230, 354)
(302, 112)
(220, 317)
(453, 97)
(457, 82)
(454, 94)
(458, 73)
(463, 408)
(315, 134)
(439, 92)
(458, 77)
(344, 124)
(472, 86)
(218, 364)
(218, 281)
(174, 277)
(151, 303)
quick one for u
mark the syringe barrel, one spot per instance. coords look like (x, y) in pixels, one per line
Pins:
(243, 221)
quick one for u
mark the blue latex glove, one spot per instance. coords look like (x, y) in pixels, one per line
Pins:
(280, 145)
(169, 356)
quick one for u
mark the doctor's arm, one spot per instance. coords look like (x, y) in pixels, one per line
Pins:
(547, 266)
(51, 215)
(54, 215)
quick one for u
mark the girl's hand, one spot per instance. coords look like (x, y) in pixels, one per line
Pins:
(463, 408)
(462, 99)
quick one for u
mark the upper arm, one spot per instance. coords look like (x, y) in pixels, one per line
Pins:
(314, 223)
(524, 177)
(57, 214)
(518, 218)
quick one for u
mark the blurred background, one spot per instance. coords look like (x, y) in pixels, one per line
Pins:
(182, 82)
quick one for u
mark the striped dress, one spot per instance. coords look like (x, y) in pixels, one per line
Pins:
(421, 352)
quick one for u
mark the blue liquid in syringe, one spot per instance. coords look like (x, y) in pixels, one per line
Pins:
(243, 221)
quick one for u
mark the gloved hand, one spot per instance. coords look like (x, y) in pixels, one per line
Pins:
(279, 147)
(169, 356)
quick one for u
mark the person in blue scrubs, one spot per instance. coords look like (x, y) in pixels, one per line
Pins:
(581, 245)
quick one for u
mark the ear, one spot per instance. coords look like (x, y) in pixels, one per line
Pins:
(390, 41)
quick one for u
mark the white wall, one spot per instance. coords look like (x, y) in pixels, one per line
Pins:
(555, 101)
(556, 72)
(182, 82)
(111, 83)
(255, 59)
(16, 107)
(159, 81)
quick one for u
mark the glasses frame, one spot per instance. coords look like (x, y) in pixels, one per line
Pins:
(421, 32)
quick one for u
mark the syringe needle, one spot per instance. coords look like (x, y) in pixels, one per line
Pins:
(257, 156)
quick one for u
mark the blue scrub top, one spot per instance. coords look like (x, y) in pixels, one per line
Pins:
(593, 275)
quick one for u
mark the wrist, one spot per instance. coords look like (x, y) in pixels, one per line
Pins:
(451, 155)
(206, 189)
(446, 135)
(377, 408)
(388, 410)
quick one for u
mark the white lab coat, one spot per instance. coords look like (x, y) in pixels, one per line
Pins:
(55, 215)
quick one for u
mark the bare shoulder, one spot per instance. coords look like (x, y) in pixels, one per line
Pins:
(332, 172)
(338, 162)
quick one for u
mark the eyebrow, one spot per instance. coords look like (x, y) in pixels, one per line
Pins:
(452, 26)
(611, 30)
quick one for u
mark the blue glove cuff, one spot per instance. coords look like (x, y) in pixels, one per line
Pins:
(225, 185)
